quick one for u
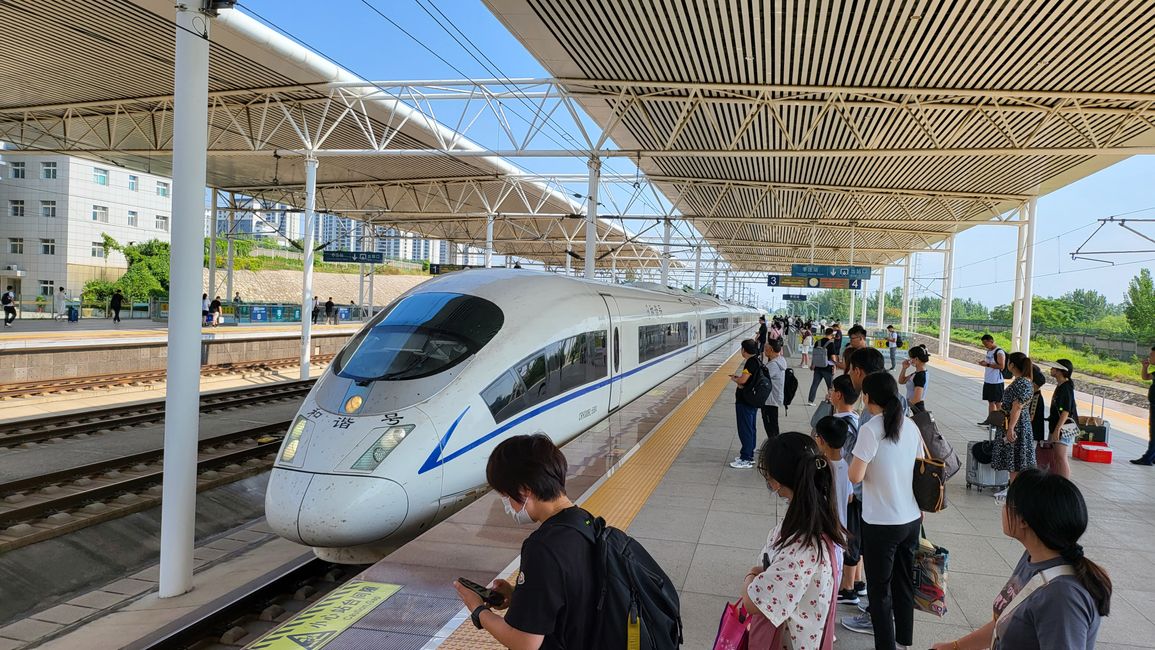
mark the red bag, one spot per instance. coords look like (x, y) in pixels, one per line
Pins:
(733, 629)
(1045, 454)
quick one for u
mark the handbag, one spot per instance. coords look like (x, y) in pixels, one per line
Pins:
(997, 419)
(936, 445)
(733, 628)
(822, 410)
(929, 481)
(764, 635)
(931, 563)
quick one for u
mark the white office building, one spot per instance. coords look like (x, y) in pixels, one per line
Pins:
(53, 210)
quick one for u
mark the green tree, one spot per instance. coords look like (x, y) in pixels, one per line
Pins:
(1002, 314)
(1090, 305)
(1139, 304)
(1053, 313)
(147, 274)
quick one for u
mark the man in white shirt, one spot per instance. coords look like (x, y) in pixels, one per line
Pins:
(993, 383)
(891, 343)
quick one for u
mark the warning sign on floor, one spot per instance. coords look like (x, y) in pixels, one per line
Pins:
(315, 627)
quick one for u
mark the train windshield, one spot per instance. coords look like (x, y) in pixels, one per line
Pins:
(418, 336)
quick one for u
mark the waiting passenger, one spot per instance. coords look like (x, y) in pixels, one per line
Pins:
(1056, 597)
(1014, 451)
(915, 382)
(553, 603)
(832, 434)
(776, 368)
(843, 397)
(747, 415)
(860, 365)
(857, 336)
(793, 596)
(807, 343)
(1064, 417)
(891, 519)
(824, 357)
(1148, 457)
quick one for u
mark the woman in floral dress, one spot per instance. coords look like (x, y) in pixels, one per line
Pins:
(1014, 451)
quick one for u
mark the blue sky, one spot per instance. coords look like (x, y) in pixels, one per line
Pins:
(356, 37)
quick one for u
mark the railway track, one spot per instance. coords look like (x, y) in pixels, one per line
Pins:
(46, 506)
(115, 380)
(28, 432)
(245, 614)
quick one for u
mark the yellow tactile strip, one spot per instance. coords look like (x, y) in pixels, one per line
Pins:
(621, 497)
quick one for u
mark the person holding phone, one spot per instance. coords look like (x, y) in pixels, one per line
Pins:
(747, 416)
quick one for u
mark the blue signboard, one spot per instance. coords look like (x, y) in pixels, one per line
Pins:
(827, 271)
(364, 257)
(799, 297)
(259, 314)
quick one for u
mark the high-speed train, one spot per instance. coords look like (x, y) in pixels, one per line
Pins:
(395, 435)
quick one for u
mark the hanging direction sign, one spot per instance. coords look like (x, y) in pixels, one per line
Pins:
(364, 257)
(798, 297)
(785, 281)
(791, 281)
(827, 271)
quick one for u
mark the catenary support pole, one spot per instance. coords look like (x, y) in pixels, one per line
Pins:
(182, 399)
(881, 298)
(212, 256)
(714, 279)
(697, 268)
(666, 233)
(906, 295)
(361, 267)
(945, 316)
(595, 166)
(853, 293)
(308, 219)
(372, 271)
(1020, 264)
(489, 241)
(1028, 277)
(230, 251)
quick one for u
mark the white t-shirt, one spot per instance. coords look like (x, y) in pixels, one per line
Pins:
(887, 492)
(795, 590)
(892, 339)
(994, 375)
(842, 487)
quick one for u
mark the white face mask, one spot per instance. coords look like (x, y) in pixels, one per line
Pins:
(520, 516)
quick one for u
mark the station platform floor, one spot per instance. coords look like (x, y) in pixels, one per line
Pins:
(705, 523)
(35, 334)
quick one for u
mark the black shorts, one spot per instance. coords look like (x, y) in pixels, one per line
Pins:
(852, 554)
(993, 392)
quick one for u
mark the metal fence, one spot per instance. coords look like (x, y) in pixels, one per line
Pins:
(1105, 345)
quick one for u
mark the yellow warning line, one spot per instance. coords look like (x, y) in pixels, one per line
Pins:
(621, 496)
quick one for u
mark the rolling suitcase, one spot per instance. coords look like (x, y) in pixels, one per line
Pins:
(1095, 429)
(980, 474)
(73, 314)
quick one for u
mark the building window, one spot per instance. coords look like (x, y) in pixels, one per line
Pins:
(132, 217)
(17, 169)
(48, 171)
(47, 288)
(47, 246)
(97, 249)
(48, 209)
(16, 245)
(16, 208)
(162, 222)
(161, 188)
(133, 182)
(100, 213)
(99, 176)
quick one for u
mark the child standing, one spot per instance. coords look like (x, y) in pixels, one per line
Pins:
(832, 434)
(843, 396)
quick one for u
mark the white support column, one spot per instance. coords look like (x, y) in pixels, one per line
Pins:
(230, 252)
(182, 398)
(361, 267)
(568, 260)
(905, 327)
(595, 166)
(489, 241)
(308, 219)
(1020, 266)
(853, 293)
(1028, 278)
(212, 256)
(947, 299)
(666, 232)
(372, 272)
(698, 268)
(714, 280)
(881, 298)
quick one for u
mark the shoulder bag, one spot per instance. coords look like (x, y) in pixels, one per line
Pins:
(929, 481)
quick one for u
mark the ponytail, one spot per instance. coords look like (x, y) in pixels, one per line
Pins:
(1092, 576)
(882, 390)
(793, 460)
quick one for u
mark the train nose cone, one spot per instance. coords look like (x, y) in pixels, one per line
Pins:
(350, 510)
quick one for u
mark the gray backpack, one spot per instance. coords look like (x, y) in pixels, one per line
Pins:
(818, 358)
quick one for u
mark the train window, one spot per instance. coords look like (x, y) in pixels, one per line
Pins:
(419, 335)
(716, 326)
(656, 340)
(533, 375)
(505, 397)
(597, 366)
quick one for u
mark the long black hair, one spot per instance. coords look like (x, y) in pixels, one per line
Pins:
(1020, 362)
(793, 459)
(1054, 509)
(882, 390)
(919, 352)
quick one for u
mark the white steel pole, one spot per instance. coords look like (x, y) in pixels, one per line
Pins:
(906, 295)
(595, 166)
(212, 256)
(230, 252)
(881, 298)
(182, 397)
(361, 269)
(489, 241)
(853, 293)
(698, 268)
(372, 271)
(569, 260)
(714, 280)
(308, 219)
(1017, 303)
(947, 299)
(1028, 277)
(666, 232)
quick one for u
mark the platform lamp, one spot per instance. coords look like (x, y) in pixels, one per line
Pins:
(213, 7)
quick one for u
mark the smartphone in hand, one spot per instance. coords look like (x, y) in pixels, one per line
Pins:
(490, 596)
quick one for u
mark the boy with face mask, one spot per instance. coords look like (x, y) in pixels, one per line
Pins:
(553, 602)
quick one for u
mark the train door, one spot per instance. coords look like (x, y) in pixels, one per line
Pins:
(614, 352)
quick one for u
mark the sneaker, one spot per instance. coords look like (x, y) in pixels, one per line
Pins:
(864, 607)
(847, 597)
(742, 464)
(1001, 494)
(809, 403)
(860, 589)
(860, 624)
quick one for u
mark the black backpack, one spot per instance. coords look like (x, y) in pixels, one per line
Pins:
(789, 389)
(1003, 369)
(756, 389)
(898, 340)
(637, 605)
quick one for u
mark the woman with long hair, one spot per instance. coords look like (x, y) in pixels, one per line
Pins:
(1056, 597)
(916, 381)
(804, 348)
(1014, 451)
(795, 592)
(883, 460)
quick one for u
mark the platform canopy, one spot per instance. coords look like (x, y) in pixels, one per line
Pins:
(792, 130)
(94, 78)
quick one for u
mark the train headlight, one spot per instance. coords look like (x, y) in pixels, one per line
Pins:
(381, 448)
(293, 439)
